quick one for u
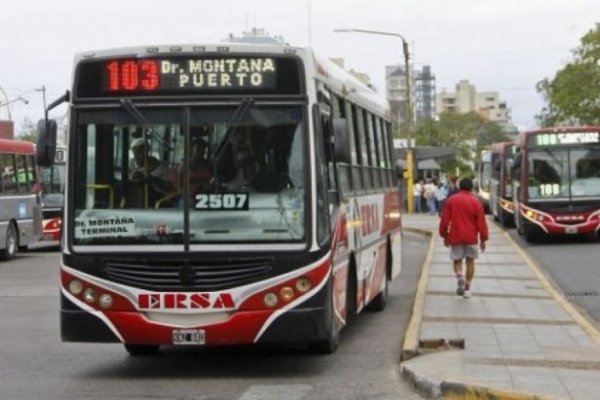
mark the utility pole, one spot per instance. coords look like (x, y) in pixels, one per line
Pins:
(410, 162)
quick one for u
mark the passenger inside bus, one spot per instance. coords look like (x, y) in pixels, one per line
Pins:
(148, 177)
(262, 161)
(200, 170)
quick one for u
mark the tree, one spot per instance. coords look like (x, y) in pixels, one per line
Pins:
(28, 131)
(573, 95)
(467, 133)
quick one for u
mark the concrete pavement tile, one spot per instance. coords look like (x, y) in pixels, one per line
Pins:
(544, 381)
(507, 270)
(439, 330)
(581, 337)
(581, 384)
(567, 353)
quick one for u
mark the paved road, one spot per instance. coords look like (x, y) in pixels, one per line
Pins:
(34, 364)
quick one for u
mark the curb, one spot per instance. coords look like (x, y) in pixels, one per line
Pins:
(455, 391)
(410, 345)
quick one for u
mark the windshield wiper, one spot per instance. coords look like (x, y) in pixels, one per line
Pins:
(141, 119)
(238, 115)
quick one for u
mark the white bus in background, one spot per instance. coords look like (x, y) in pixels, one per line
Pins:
(53, 181)
(484, 176)
(20, 208)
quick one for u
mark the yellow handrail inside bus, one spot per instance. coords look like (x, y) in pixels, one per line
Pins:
(167, 198)
(111, 192)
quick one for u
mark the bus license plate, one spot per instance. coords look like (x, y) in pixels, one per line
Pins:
(571, 229)
(189, 336)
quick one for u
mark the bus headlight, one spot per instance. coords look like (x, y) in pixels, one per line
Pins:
(270, 299)
(303, 285)
(75, 287)
(286, 293)
(89, 295)
(106, 301)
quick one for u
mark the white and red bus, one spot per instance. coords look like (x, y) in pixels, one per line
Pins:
(20, 208)
(556, 181)
(53, 179)
(501, 203)
(288, 223)
(484, 175)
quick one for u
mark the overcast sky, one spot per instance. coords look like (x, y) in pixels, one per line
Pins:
(498, 45)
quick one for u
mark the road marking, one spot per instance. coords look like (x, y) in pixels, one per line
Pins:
(276, 392)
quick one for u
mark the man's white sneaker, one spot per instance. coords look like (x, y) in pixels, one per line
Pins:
(467, 294)
(460, 286)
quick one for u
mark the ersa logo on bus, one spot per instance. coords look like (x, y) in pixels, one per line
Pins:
(186, 301)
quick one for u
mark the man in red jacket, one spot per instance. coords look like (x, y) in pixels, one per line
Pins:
(462, 226)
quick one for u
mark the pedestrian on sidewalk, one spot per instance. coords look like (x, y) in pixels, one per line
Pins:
(462, 226)
(418, 195)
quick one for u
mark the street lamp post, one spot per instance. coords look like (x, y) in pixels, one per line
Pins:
(408, 112)
(8, 102)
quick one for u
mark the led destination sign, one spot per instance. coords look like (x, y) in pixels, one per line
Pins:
(248, 73)
(565, 138)
(187, 75)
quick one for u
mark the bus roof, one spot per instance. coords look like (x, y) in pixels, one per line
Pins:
(16, 146)
(321, 69)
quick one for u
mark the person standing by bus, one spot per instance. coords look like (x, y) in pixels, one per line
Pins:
(418, 194)
(461, 226)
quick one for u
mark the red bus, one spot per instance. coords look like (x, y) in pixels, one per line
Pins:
(20, 209)
(556, 178)
(288, 223)
(53, 179)
(501, 203)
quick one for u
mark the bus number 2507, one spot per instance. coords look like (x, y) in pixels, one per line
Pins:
(222, 201)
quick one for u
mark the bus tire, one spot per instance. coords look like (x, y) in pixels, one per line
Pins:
(141, 349)
(351, 289)
(530, 237)
(11, 244)
(505, 219)
(380, 301)
(327, 346)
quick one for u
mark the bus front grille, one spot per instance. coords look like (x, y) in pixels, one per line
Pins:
(209, 275)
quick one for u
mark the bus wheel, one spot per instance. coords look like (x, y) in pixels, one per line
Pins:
(504, 219)
(329, 345)
(530, 237)
(141, 349)
(380, 301)
(11, 244)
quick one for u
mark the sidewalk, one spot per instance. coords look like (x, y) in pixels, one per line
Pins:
(522, 339)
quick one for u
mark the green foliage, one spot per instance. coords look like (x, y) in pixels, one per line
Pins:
(573, 95)
(28, 131)
(459, 131)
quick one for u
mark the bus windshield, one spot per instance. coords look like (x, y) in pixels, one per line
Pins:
(244, 180)
(564, 173)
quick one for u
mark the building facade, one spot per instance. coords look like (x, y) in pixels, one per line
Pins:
(422, 87)
(466, 99)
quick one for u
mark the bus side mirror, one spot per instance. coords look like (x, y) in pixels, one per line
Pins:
(46, 142)
(341, 146)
